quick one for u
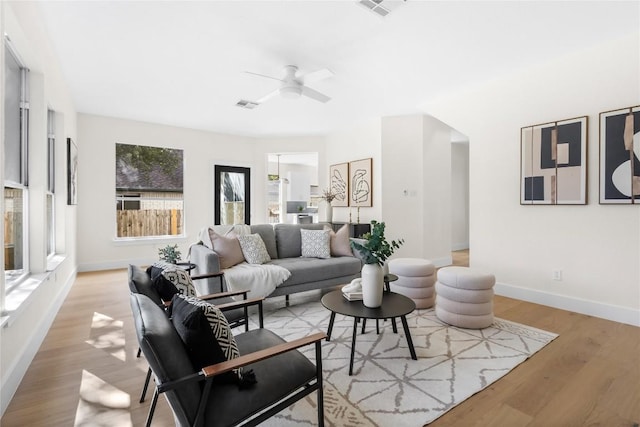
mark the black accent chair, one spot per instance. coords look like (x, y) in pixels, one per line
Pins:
(236, 312)
(284, 375)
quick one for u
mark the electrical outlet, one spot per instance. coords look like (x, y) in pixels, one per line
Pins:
(557, 275)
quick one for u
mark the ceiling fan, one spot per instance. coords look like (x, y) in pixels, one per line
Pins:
(293, 86)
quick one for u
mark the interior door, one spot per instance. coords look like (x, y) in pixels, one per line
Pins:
(232, 195)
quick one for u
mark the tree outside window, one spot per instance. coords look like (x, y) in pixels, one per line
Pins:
(149, 191)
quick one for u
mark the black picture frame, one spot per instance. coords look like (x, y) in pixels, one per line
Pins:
(72, 172)
(619, 156)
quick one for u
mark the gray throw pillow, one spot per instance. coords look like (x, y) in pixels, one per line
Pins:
(253, 249)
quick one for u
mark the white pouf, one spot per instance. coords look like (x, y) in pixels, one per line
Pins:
(416, 280)
(465, 297)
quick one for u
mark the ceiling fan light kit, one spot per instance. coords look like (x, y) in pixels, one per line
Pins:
(291, 92)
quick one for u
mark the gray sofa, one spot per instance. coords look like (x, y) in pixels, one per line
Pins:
(283, 242)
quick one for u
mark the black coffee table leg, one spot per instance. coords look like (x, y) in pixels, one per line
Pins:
(353, 344)
(331, 319)
(408, 335)
(393, 324)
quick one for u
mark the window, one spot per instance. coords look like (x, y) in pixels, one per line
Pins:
(51, 182)
(149, 198)
(16, 121)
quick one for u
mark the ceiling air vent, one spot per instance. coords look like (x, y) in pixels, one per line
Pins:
(381, 7)
(243, 103)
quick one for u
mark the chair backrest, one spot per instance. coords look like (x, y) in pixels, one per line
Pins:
(140, 283)
(166, 355)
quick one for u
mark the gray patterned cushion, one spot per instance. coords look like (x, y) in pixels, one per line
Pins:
(163, 275)
(315, 243)
(253, 249)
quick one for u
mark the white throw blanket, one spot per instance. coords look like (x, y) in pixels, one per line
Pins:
(259, 279)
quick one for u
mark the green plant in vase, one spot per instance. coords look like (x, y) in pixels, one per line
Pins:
(169, 254)
(377, 249)
(374, 252)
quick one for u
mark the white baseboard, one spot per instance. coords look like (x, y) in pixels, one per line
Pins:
(113, 265)
(19, 368)
(615, 313)
(442, 262)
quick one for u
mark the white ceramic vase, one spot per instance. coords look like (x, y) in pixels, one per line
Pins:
(372, 285)
(328, 212)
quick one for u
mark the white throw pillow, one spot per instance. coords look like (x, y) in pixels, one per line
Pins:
(253, 249)
(315, 243)
(339, 241)
(227, 247)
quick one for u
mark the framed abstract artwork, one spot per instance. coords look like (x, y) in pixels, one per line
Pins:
(72, 172)
(553, 163)
(360, 183)
(620, 156)
(339, 183)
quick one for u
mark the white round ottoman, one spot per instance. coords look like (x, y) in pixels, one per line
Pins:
(465, 297)
(416, 279)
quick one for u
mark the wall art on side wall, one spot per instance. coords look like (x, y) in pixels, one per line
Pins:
(72, 172)
(339, 183)
(620, 156)
(553, 168)
(360, 183)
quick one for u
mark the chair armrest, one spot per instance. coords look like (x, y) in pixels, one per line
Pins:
(256, 356)
(240, 304)
(224, 294)
(244, 304)
(207, 276)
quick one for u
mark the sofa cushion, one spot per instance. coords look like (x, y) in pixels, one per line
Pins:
(205, 332)
(288, 240)
(277, 377)
(307, 270)
(168, 280)
(253, 249)
(315, 243)
(268, 237)
(340, 243)
(227, 247)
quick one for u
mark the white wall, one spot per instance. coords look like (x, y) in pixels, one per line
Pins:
(459, 196)
(27, 323)
(416, 152)
(362, 140)
(596, 246)
(202, 150)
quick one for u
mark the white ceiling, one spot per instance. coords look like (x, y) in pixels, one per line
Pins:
(182, 63)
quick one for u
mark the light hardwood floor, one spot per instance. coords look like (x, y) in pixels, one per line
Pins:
(86, 372)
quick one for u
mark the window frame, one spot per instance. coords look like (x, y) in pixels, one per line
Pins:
(14, 277)
(51, 183)
(145, 196)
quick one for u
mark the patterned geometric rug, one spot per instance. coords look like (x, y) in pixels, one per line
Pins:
(388, 388)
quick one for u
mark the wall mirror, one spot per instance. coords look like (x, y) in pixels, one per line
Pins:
(232, 195)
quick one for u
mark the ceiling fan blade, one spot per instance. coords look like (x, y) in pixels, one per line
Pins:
(314, 94)
(262, 75)
(268, 96)
(316, 76)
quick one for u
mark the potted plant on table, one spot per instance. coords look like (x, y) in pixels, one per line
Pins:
(170, 254)
(374, 252)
